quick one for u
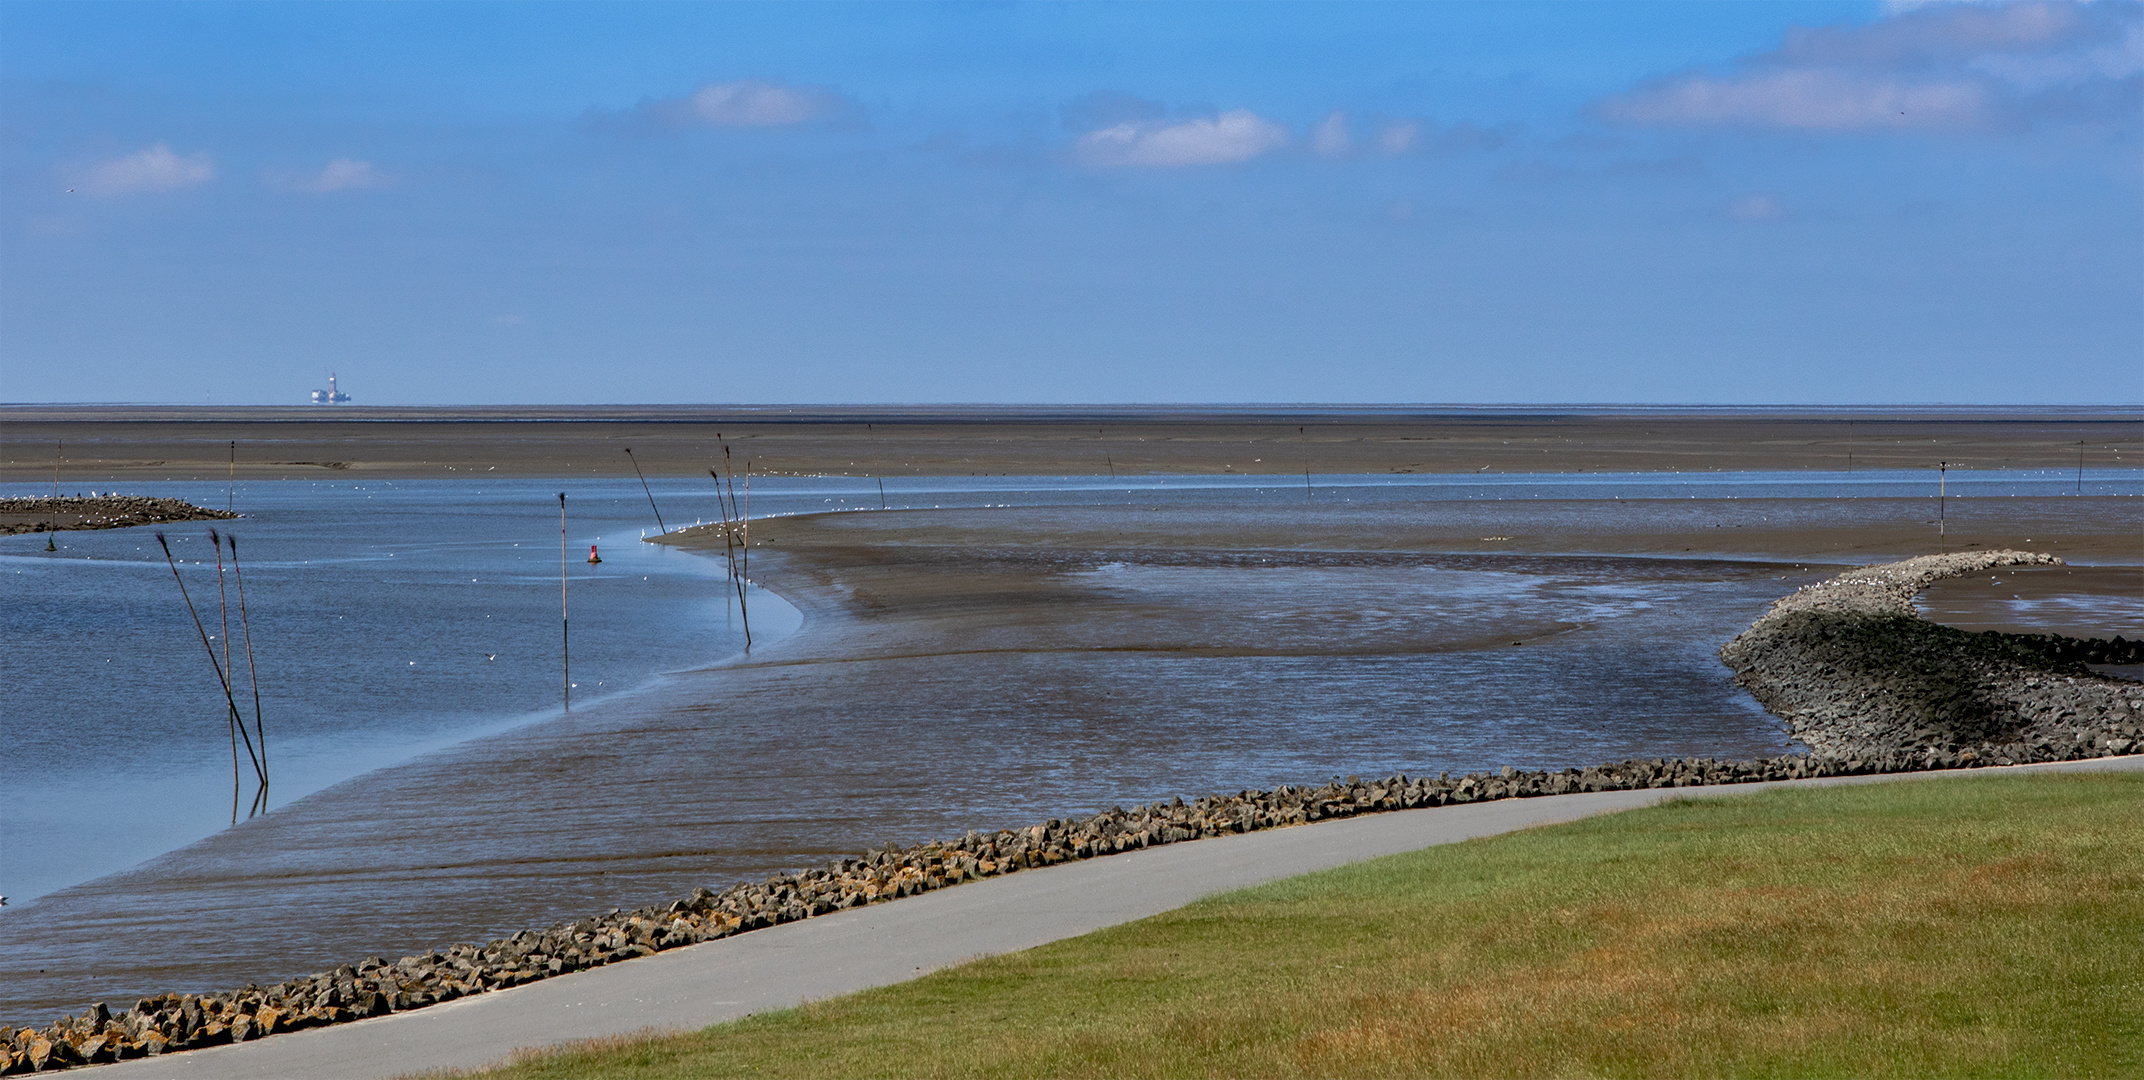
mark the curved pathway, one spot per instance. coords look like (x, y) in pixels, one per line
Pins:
(882, 944)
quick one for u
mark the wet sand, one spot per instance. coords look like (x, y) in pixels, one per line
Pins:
(107, 443)
(983, 668)
(48, 514)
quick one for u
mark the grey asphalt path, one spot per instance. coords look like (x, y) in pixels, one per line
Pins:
(861, 948)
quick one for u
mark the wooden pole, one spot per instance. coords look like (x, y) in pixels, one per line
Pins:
(1306, 463)
(260, 736)
(565, 636)
(229, 701)
(741, 567)
(744, 565)
(238, 722)
(729, 542)
(644, 487)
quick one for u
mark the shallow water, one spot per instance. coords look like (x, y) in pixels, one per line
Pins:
(387, 618)
(437, 810)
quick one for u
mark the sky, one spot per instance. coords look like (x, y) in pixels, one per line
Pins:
(1597, 202)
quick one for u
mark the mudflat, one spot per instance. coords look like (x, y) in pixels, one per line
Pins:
(186, 443)
(48, 514)
(992, 666)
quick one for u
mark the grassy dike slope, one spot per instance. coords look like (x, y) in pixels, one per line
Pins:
(1974, 927)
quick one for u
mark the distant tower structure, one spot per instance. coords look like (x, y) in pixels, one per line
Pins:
(330, 396)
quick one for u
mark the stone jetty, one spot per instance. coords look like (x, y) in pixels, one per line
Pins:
(1859, 678)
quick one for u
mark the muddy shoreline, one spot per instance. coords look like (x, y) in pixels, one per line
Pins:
(105, 443)
(40, 514)
(2057, 711)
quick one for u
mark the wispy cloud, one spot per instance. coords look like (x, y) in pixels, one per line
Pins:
(1936, 67)
(1334, 137)
(748, 103)
(1234, 136)
(341, 174)
(1809, 100)
(154, 169)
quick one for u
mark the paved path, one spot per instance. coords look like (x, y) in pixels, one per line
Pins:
(888, 943)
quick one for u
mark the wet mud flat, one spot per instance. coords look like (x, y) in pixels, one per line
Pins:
(986, 669)
(2045, 707)
(186, 442)
(53, 514)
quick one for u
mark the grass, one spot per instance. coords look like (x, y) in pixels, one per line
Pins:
(1967, 927)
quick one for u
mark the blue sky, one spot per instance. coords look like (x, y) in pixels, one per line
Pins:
(979, 202)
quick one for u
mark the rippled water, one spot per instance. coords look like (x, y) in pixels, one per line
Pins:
(444, 798)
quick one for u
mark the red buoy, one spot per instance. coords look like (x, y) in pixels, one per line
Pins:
(593, 558)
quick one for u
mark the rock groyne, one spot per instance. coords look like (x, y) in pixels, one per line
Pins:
(1848, 664)
(1854, 671)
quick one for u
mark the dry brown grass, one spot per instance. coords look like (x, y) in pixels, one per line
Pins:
(1981, 927)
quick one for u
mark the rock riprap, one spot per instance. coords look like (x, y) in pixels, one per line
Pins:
(44, 513)
(1855, 671)
(1857, 675)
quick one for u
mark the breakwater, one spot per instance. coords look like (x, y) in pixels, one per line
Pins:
(1856, 673)
(1793, 659)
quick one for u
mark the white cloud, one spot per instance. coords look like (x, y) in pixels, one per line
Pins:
(756, 103)
(1330, 138)
(1937, 67)
(1234, 136)
(1805, 100)
(154, 169)
(341, 174)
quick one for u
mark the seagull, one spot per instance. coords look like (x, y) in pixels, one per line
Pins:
(491, 656)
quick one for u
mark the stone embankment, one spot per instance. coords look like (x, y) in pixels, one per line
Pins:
(1855, 672)
(1868, 685)
(47, 514)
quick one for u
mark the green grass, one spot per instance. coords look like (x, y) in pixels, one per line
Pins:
(1969, 927)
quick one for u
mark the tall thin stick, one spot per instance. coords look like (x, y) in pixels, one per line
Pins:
(745, 540)
(1306, 463)
(882, 493)
(729, 544)
(230, 483)
(245, 624)
(229, 701)
(1942, 520)
(744, 568)
(238, 722)
(223, 608)
(644, 487)
(565, 636)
